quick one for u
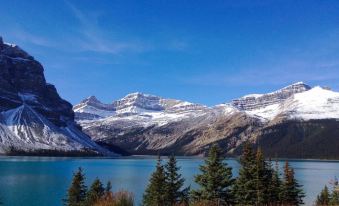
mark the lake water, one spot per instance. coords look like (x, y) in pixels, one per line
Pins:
(40, 181)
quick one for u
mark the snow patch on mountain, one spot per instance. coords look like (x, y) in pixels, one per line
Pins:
(265, 113)
(145, 108)
(27, 97)
(27, 130)
(94, 110)
(268, 106)
(9, 44)
(138, 111)
(33, 117)
(317, 103)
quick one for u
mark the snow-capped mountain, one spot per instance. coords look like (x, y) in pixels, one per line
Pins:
(257, 101)
(297, 101)
(316, 103)
(152, 109)
(146, 124)
(33, 117)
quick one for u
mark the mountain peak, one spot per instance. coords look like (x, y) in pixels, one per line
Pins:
(296, 85)
(13, 51)
(140, 100)
(138, 95)
(91, 102)
(91, 99)
(257, 101)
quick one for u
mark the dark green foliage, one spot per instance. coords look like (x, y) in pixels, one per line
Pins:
(274, 188)
(174, 182)
(324, 197)
(263, 179)
(155, 194)
(258, 183)
(334, 198)
(327, 197)
(292, 193)
(215, 181)
(77, 191)
(95, 192)
(97, 195)
(184, 198)
(246, 184)
(108, 187)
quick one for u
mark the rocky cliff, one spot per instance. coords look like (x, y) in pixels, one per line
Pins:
(33, 117)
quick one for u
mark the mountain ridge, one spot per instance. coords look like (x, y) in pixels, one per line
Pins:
(193, 128)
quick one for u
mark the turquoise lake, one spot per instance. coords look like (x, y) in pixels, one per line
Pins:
(35, 181)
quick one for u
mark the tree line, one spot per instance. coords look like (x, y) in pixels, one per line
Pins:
(259, 183)
(97, 195)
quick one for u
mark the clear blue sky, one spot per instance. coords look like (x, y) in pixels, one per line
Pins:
(202, 51)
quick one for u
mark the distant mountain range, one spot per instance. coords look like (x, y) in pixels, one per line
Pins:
(297, 121)
(34, 120)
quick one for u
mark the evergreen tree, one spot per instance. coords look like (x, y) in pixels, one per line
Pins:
(274, 188)
(324, 198)
(108, 187)
(292, 193)
(334, 198)
(77, 191)
(95, 192)
(246, 184)
(263, 179)
(215, 181)
(174, 182)
(155, 194)
(184, 199)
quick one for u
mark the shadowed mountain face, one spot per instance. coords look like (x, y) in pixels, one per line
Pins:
(280, 122)
(303, 139)
(33, 116)
(22, 81)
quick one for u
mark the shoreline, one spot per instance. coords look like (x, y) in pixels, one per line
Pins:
(143, 157)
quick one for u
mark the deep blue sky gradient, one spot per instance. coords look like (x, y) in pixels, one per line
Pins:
(201, 51)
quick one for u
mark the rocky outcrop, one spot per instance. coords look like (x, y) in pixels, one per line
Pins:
(33, 116)
(257, 101)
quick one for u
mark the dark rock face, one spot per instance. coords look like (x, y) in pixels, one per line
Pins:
(34, 120)
(22, 81)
